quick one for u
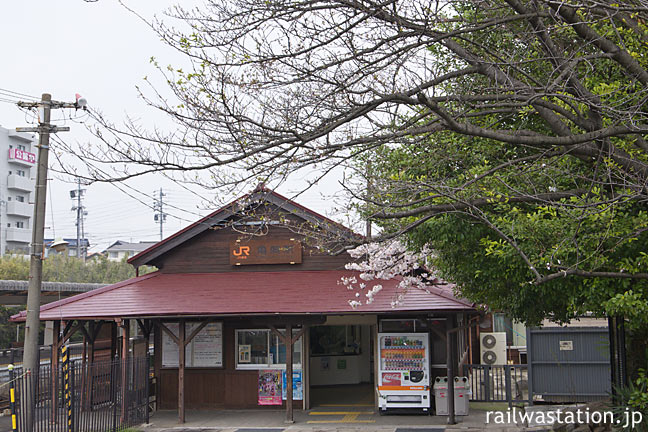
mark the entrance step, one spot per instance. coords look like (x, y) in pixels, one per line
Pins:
(346, 416)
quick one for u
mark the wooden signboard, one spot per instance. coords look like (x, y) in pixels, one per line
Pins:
(265, 251)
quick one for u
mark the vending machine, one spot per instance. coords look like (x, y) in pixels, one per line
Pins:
(403, 372)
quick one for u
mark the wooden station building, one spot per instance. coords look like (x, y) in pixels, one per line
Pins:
(249, 296)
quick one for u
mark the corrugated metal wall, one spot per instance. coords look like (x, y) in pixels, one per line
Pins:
(569, 364)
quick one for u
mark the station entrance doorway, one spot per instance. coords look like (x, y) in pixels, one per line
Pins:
(341, 364)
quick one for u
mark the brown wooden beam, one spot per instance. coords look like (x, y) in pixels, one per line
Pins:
(68, 326)
(277, 333)
(71, 330)
(297, 335)
(181, 371)
(169, 332)
(96, 328)
(113, 340)
(197, 330)
(157, 361)
(93, 330)
(146, 326)
(54, 361)
(283, 338)
(86, 334)
(289, 374)
(125, 332)
(281, 321)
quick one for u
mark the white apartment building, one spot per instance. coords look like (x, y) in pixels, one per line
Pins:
(121, 250)
(18, 156)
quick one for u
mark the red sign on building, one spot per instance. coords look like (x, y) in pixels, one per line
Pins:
(22, 155)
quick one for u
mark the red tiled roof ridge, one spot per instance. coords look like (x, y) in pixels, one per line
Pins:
(87, 294)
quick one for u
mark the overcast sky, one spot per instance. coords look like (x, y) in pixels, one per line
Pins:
(102, 51)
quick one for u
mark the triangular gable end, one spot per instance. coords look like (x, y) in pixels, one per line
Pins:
(231, 211)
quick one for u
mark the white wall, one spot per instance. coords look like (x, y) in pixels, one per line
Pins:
(358, 367)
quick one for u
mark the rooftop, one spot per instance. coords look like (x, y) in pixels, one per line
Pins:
(252, 293)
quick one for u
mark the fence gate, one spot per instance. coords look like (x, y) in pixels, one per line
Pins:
(498, 383)
(98, 397)
(569, 364)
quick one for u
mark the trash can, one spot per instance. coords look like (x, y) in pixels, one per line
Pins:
(461, 396)
(440, 388)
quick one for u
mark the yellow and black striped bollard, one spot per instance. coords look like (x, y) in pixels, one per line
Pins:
(67, 389)
(12, 397)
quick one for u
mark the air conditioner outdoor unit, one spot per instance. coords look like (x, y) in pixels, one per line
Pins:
(493, 348)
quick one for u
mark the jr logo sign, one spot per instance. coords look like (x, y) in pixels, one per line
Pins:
(265, 251)
(242, 251)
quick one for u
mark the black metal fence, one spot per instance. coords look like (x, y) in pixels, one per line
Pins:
(81, 397)
(499, 383)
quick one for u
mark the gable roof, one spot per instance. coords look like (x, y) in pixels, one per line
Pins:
(254, 293)
(120, 245)
(260, 194)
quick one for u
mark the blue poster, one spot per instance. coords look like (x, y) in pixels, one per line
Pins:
(298, 393)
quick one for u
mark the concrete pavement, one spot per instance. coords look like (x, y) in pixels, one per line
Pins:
(323, 419)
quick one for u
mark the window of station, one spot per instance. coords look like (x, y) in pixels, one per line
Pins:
(335, 340)
(403, 325)
(261, 349)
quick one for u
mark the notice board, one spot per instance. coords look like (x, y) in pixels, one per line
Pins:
(205, 350)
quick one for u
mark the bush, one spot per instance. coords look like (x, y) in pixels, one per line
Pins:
(630, 399)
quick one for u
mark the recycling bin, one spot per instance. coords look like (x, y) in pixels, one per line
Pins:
(461, 396)
(440, 389)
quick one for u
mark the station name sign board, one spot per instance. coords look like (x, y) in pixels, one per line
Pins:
(265, 251)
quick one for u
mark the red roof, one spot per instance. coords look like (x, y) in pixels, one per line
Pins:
(236, 293)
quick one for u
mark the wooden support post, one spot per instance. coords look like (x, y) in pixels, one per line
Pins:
(157, 360)
(113, 340)
(54, 363)
(181, 371)
(125, 334)
(289, 374)
(93, 330)
(450, 360)
(289, 340)
(84, 369)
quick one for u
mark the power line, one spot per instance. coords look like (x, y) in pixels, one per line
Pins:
(18, 94)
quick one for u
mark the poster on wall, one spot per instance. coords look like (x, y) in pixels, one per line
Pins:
(245, 353)
(207, 346)
(298, 392)
(269, 387)
(205, 350)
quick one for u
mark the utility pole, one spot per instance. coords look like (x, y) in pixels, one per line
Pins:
(31, 361)
(160, 216)
(80, 214)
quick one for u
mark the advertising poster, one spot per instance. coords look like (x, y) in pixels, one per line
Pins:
(269, 387)
(298, 390)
